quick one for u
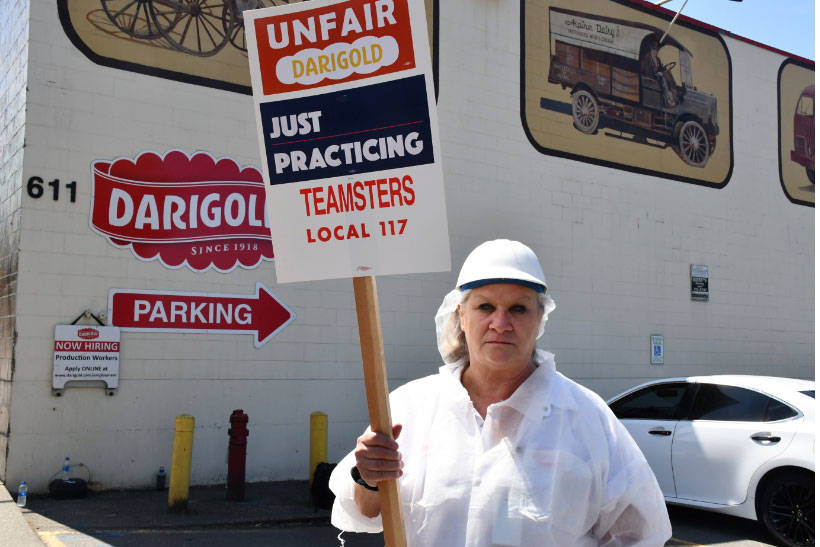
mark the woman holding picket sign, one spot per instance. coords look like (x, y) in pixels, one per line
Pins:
(498, 448)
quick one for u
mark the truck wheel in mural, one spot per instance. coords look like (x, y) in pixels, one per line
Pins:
(692, 143)
(626, 86)
(198, 27)
(585, 111)
(136, 18)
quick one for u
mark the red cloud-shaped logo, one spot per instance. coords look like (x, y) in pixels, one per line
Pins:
(192, 211)
(89, 333)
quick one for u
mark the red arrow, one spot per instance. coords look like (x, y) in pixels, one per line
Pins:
(164, 311)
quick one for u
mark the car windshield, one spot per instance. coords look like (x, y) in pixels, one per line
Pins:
(656, 402)
(810, 393)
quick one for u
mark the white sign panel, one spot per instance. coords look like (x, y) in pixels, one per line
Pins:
(344, 103)
(82, 352)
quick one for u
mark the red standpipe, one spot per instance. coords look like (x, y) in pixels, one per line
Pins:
(237, 452)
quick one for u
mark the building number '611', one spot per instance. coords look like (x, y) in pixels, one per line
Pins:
(35, 188)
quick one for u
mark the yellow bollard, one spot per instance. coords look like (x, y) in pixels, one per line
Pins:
(318, 440)
(181, 463)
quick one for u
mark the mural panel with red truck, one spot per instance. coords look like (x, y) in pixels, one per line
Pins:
(803, 152)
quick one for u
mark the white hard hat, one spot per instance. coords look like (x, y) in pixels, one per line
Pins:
(502, 261)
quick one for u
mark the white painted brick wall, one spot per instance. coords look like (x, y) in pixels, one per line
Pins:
(616, 247)
(14, 30)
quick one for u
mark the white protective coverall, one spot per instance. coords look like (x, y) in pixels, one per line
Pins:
(550, 466)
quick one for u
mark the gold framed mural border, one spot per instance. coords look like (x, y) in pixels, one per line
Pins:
(656, 12)
(111, 62)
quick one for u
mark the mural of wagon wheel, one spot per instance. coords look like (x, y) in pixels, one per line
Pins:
(692, 143)
(585, 111)
(198, 26)
(237, 31)
(136, 18)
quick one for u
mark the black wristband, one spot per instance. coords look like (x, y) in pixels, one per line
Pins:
(357, 478)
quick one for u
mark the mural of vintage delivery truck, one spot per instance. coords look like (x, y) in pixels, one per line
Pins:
(617, 80)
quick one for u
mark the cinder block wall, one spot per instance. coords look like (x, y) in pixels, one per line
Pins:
(616, 247)
(14, 20)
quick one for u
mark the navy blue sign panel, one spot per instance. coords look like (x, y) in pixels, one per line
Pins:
(373, 128)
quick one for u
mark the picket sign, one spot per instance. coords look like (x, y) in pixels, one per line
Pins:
(351, 158)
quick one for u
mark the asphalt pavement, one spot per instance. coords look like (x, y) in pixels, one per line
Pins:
(284, 503)
(273, 513)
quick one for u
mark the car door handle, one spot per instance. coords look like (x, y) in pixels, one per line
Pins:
(663, 432)
(765, 437)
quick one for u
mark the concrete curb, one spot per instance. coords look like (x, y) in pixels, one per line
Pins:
(16, 530)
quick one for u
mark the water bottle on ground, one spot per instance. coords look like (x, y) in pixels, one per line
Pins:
(161, 478)
(66, 468)
(22, 494)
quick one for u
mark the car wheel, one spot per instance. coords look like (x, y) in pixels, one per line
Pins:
(786, 508)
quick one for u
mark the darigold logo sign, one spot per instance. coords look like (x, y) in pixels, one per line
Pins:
(88, 334)
(192, 211)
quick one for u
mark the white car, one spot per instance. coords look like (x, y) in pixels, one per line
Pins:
(740, 445)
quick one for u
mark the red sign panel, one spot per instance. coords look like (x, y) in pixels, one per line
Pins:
(262, 315)
(341, 42)
(194, 211)
(86, 346)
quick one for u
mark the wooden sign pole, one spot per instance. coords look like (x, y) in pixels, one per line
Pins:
(375, 385)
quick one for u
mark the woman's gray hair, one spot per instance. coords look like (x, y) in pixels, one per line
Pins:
(452, 344)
